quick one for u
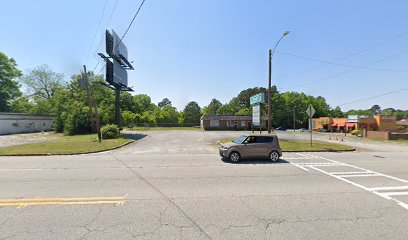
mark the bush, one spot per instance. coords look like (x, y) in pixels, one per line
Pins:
(401, 127)
(355, 132)
(110, 131)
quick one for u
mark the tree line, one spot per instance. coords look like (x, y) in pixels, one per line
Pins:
(47, 92)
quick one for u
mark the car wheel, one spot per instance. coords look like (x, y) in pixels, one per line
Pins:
(234, 157)
(274, 156)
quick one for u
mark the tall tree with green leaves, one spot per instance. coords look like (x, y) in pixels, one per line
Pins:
(164, 103)
(212, 108)
(9, 86)
(192, 113)
(43, 82)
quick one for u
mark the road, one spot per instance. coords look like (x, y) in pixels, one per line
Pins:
(173, 185)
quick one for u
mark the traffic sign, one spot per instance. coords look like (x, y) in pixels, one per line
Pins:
(310, 111)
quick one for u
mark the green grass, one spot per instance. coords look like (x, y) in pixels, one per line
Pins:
(304, 145)
(66, 145)
(162, 128)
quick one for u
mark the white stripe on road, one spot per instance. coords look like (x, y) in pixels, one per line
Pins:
(343, 176)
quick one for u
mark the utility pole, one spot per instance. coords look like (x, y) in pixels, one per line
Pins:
(294, 119)
(271, 52)
(92, 103)
(269, 91)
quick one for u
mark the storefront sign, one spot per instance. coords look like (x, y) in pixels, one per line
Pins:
(257, 99)
(352, 118)
(256, 115)
(388, 118)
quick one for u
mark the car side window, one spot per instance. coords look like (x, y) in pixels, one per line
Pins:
(266, 139)
(250, 140)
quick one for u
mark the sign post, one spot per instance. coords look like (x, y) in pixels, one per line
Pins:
(256, 102)
(310, 112)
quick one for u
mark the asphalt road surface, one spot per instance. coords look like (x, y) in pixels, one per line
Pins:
(173, 185)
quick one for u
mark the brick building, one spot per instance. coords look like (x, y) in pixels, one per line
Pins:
(353, 122)
(241, 122)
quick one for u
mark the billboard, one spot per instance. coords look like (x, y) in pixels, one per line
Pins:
(116, 49)
(115, 73)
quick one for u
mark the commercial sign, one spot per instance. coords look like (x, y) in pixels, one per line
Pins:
(352, 118)
(388, 118)
(256, 115)
(257, 99)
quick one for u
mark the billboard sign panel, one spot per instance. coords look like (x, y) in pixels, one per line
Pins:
(115, 73)
(256, 115)
(257, 99)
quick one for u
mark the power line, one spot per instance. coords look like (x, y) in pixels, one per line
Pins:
(97, 28)
(107, 24)
(351, 54)
(377, 96)
(131, 22)
(345, 72)
(341, 64)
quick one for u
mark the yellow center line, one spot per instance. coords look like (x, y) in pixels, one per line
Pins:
(42, 199)
(24, 204)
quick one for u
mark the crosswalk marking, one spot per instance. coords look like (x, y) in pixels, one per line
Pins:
(384, 192)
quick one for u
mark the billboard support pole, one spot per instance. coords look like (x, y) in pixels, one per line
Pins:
(117, 106)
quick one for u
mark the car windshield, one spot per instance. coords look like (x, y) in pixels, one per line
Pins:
(240, 139)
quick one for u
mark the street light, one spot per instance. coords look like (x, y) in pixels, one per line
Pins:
(271, 52)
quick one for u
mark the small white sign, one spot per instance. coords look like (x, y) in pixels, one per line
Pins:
(256, 115)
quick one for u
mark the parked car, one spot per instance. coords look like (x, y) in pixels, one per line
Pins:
(322, 130)
(261, 146)
(282, 128)
(304, 130)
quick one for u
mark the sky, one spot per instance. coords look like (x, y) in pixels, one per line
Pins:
(190, 50)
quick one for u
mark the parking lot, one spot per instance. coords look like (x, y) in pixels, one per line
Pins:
(174, 185)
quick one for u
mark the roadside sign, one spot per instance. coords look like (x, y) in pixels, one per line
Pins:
(257, 99)
(256, 115)
(310, 111)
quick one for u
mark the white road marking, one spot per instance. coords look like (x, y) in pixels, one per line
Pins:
(299, 166)
(388, 188)
(396, 193)
(359, 175)
(343, 176)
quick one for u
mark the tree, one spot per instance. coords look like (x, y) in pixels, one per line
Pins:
(375, 109)
(212, 108)
(336, 113)
(165, 102)
(9, 87)
(192, 112)
(43, 82)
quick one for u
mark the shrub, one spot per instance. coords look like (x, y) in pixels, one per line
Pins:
(110, 131)
(355, 132)
(401, 127)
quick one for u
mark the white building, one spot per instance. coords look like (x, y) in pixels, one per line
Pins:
(11, 123)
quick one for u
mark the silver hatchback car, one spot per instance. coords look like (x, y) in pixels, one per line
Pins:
(264, 146)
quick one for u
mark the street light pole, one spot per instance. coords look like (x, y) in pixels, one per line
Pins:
(271, 52)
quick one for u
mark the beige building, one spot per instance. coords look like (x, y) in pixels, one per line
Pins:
(11, 123)
(229, 122)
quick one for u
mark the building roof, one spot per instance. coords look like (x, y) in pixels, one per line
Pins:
(231, 117)
(24, 116)
(403, 122)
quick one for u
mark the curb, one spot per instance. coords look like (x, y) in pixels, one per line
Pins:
(65, 154)
(324, 150)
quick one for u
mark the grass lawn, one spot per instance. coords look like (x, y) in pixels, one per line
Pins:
(162, 128)
(66, 145)
(304, 145)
